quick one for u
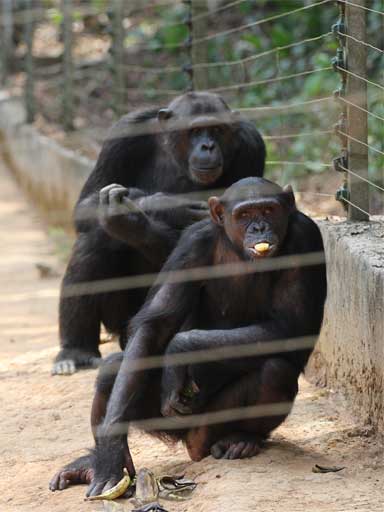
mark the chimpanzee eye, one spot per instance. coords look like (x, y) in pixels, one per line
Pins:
(217, 130)
(268, 211)
(244, 215)
(195, 131)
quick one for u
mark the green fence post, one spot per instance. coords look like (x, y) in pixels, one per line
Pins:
(199, 50)
(117, 56)
(356, 92)
(6, 41)
(30, 103)
(66, 6)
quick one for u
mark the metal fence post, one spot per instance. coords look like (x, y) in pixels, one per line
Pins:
(117, 56)
(356, 92)
(66, 6)
(6, 42)
(30, 103)
(199, 50)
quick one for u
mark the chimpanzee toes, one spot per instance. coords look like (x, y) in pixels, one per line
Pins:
(68, 361)
(218, 450)
(237, 446)
(66, 367)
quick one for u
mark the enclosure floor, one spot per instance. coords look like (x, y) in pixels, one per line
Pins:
(45, 420)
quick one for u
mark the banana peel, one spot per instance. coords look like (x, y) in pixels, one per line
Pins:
(116, 491)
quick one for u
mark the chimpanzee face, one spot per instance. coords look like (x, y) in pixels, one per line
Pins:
(203, 145)
(206, 154)
(256, 226)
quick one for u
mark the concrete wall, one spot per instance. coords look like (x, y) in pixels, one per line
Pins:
(51, 174)
(350, 353)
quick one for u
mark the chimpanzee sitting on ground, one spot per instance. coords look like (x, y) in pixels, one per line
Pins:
(194, 144)
(253, 220)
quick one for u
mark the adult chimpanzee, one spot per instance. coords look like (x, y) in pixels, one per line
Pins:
(253, 220)
(194, 144)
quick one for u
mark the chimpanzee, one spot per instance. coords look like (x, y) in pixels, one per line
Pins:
(130, 213)
(254, 222)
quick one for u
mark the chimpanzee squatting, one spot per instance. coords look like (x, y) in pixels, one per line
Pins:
(253, 220)
(151, 157)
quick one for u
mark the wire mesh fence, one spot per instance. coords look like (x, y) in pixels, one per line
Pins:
(81, 64)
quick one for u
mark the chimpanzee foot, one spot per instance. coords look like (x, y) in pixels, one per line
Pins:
(181, 402)
(236, 446)
(69, 360)
(78, 472)
(174, 406)
(151, 507)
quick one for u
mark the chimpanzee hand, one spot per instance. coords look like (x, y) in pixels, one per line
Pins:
(180, 393)
(110, 457)
(118, 213)
(184, 211)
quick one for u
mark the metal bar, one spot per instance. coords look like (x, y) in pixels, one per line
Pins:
(30, 103)
(6, 41)
(117, 56)
(357, 118)
(188, 67)
(66, 6)
(199, 51)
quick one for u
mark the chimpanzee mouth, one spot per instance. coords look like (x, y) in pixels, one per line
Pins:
(206, 175)
(262, 249)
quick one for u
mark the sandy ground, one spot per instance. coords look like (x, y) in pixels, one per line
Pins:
(45, 419)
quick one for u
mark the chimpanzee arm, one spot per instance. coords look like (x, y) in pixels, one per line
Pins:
(153, 327)
(150, 224)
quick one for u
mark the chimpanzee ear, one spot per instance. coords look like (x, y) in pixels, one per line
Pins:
(164, 114)
(216, 210)
(289, 196)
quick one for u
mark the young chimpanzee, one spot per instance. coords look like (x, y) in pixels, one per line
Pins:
(254, 222)
(130, 214)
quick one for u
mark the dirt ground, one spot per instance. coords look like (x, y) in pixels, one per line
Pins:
(45, 420)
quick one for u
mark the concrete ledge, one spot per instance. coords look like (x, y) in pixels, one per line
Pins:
(51, 174)
(350, 353)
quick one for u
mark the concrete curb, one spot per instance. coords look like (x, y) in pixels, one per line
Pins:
(51, 175)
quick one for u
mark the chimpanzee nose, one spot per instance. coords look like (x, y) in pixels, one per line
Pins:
(258, 228)
(208, 145)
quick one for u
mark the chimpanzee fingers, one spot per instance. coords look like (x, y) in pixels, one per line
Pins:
(119, 196)
(95, 488)
(105, 192)
(62, 480)
(197, 213)
(54, 483)
(199, 205)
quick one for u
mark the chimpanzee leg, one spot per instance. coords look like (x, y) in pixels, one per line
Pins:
(80, 470)
(276, 382)
(80, 315)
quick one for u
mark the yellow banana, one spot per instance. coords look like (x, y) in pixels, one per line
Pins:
(116, 491)
(262, 247)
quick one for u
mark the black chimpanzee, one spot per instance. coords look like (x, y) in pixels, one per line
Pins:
(194, 144)
(252, 223)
